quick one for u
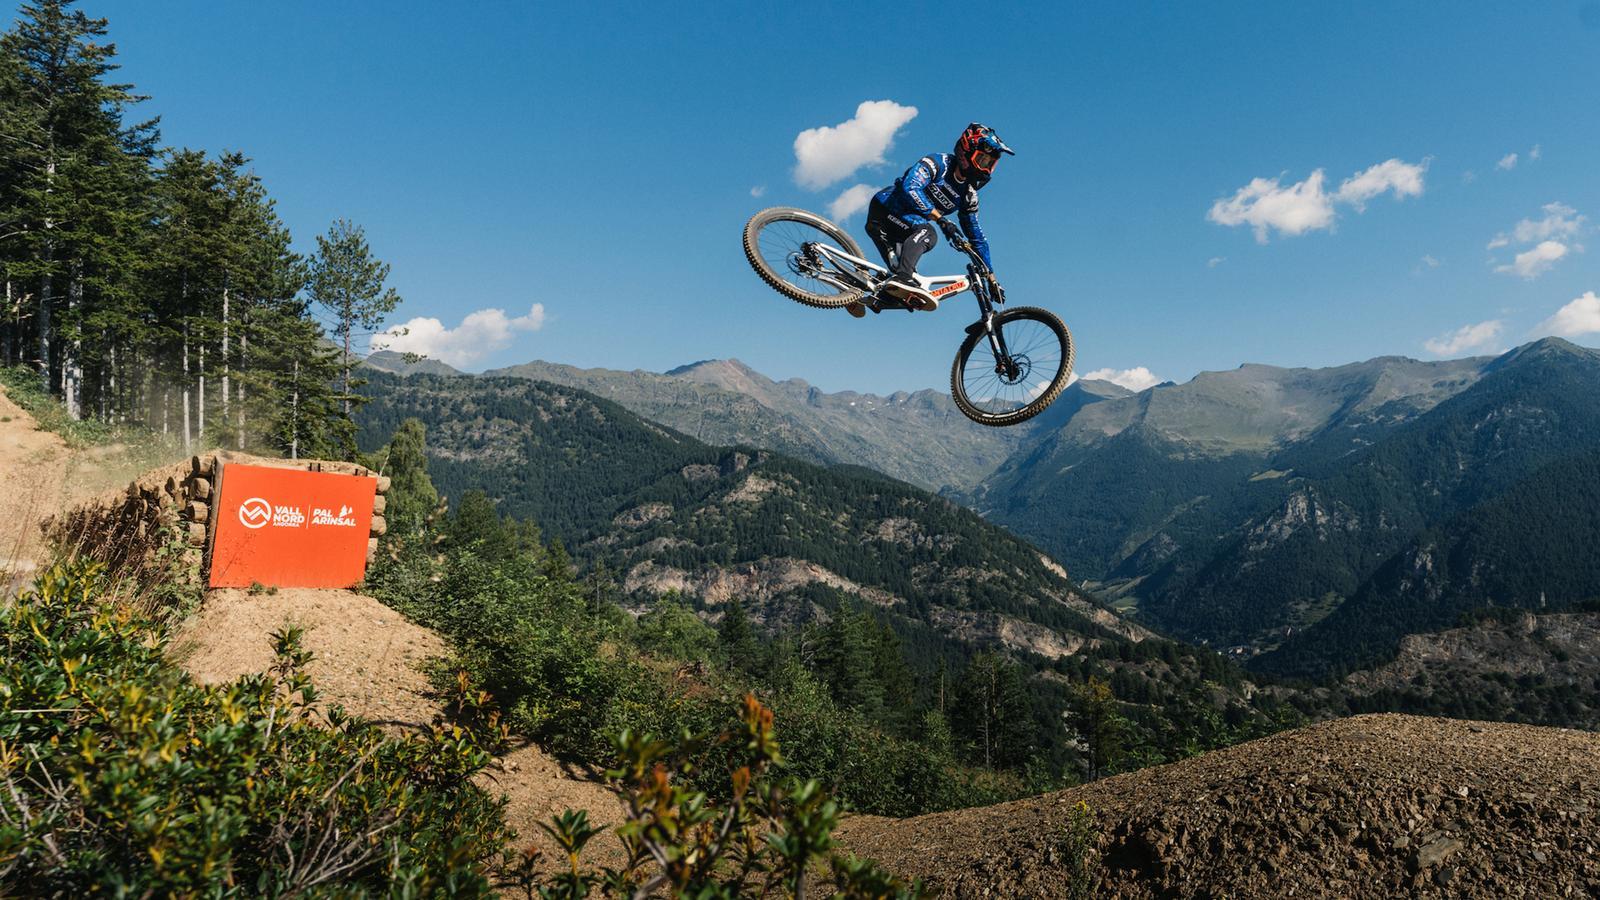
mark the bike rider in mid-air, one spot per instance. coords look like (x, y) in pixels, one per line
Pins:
(901, 217)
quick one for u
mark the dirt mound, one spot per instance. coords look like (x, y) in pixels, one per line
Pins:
(366, 658)
(1372, 806)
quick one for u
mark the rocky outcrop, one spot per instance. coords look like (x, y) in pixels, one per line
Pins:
(751, 582)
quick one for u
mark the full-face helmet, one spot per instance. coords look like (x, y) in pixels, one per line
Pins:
(978, 149)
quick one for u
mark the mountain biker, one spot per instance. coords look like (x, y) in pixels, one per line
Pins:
(901, 217)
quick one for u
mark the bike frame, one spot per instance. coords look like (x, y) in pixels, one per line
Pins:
(845, 271)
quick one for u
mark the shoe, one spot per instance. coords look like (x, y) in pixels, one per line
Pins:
(907, 289)
(856, 308)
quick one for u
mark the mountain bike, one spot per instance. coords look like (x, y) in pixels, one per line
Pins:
(1011, 365)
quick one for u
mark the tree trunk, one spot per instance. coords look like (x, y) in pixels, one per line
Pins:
(224, 360)
(244, 352)
(188, 441)
(72, 352)
(45, 285)
(294, 414)
(200, 406)
(346, 362)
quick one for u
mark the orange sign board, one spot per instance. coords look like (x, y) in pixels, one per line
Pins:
(291, 528)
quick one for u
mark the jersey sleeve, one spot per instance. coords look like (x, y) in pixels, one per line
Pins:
(969, 224)
(914, 187)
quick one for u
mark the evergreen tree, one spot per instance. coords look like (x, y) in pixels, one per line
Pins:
(476, 524)
(74, 186)
(736, 638)
(846, 660)
(993, 713)
(412, 497)
(348, 281)
(1101, 727)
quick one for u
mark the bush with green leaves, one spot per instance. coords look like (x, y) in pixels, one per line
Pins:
(120, 774)
(762, 840)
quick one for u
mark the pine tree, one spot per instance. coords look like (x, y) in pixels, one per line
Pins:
(736, 638)
(993, 713)
(1100, 725)
(348, 281)
(73, 192)
(412, 496)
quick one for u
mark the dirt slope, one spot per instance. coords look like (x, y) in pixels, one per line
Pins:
(1372, 806)
(33, 475)
(366, 658)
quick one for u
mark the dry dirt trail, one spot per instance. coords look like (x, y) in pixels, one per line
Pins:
(40, 476)
(33, 485)
(1372, 806)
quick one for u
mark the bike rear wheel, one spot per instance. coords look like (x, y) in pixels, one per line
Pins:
(1013, 387)
(775, 242)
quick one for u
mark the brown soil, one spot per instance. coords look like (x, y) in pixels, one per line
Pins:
(366, 658)
(33, 478)
(1371, 806)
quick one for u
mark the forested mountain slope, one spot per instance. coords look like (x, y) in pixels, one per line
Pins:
(1127, 481)
(799, 544)
(1247, 507)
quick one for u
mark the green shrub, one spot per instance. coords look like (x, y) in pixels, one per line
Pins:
(26, 389)
(121, 775)
(761, 839)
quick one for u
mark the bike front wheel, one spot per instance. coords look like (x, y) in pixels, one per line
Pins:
(1017, 383)
(776, 242)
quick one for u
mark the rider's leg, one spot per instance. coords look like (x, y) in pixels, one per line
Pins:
(918, 241)
(882, 231)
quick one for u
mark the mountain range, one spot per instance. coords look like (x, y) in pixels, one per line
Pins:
(796, 542)
(1304, 520)
(918, 437)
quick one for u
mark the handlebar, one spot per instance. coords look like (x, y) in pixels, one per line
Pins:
(959, 241)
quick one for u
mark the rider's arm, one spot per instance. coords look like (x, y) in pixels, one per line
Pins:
(969, 224)
(915, 186)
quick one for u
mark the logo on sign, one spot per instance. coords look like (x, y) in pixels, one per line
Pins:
(255, 513)
(320, 516)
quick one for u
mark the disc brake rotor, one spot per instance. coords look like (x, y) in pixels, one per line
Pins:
(1014, 370)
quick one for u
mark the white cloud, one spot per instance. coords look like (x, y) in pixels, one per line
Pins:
(829, 154)
(1560, 221)
(1429, 261)
(1553, 238)
(1581, 316)
(758, 190)
(1507, 162)
(1266, 205)
(1536, 152)
(481, 333)
(1466, 337)
(1533, 263)
(1135, 379)
(852, 201)
(1403, 178)
(1215, 261)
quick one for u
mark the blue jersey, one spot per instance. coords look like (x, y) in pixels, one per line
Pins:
(931, 185)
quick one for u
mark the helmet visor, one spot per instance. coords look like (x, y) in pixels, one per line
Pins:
(984, 159)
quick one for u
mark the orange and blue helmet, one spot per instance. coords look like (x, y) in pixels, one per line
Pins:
(979, 148)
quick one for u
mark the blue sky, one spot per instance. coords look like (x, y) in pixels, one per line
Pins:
(599, 160)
